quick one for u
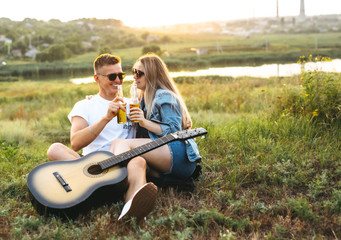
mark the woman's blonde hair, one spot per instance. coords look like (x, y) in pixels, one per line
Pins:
(157, 77)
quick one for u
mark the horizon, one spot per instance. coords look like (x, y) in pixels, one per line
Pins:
(184, 23)
(152, 13)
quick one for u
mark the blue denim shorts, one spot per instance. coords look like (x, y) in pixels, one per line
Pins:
(181, 168)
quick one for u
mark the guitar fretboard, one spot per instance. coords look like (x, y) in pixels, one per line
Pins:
(112, 161)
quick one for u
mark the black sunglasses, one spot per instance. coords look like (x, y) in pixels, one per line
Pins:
(137, 72)
(113, 76)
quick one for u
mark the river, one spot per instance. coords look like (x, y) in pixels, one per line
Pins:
(263, 71)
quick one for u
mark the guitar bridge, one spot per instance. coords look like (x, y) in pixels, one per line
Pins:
(64, 184)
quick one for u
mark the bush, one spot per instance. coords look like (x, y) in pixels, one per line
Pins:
(152, 49)
(318, 97)
(336, 198)
(55, 52)
(301, 209)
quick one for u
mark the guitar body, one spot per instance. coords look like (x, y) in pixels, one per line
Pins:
(70, 187)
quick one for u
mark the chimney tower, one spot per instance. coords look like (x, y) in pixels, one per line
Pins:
(277, 10)
(302, 11)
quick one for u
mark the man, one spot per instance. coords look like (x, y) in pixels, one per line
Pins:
(93, 128)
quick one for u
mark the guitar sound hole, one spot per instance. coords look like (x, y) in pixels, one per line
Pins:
(95, 170)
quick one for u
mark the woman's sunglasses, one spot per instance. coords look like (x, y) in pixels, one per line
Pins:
(113, 76)
(137, 72)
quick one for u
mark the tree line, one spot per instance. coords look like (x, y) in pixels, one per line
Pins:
(56, 40)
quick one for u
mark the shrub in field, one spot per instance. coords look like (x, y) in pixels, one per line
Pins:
(318, 185)
(9, 152)
(301, 209)
(318, 97)
(336, 200)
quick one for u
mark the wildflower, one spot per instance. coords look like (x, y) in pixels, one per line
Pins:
(315, 113)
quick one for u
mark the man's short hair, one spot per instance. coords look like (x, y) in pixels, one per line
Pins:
(105, 59)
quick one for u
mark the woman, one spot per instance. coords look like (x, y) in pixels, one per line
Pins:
(162, 111)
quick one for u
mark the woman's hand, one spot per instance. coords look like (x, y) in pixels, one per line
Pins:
(188, 123)
(136, 115)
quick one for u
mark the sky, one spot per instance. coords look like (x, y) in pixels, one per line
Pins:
(150, 13)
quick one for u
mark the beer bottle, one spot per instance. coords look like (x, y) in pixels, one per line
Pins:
(134, 100)
(122, 115)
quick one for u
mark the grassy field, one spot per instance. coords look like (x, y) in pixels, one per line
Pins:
(271, 162)
(237, 48)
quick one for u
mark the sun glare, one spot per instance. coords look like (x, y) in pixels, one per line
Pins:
(157, 13)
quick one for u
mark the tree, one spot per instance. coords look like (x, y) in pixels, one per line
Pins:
(22, 45)
(165, 39)
(53, 53)
(56, 52)
(152, 49)
(104, 50)
(42, 57)
(145, 35)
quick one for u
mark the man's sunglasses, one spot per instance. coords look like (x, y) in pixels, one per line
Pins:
(137, 72)
(113, 76)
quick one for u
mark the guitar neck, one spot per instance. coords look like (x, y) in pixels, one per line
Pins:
(126, 156)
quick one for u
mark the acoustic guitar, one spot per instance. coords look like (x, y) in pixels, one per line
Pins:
(67, 188)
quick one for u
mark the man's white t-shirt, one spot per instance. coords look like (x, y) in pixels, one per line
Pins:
(92, 110)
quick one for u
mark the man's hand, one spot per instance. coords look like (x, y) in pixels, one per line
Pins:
(114, 106)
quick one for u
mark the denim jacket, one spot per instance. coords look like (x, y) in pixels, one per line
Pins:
(166, 112)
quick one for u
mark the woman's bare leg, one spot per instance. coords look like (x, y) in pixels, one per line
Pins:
(159, 159)
(136, 176)
(140, 197)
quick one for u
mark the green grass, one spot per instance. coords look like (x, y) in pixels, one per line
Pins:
(268, 173)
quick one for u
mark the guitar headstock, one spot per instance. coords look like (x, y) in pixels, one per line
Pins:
(190, 133)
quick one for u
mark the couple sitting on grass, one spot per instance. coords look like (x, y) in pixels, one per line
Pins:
(162, 111)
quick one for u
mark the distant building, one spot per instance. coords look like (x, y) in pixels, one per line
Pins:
(200, 51)
(87, 44)
(7, 42)
(16, 53)
(4, 39)
(94, 38)
(31, 53)
(169, 54)
(45, 45)
(91, 26)
(152, 38)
